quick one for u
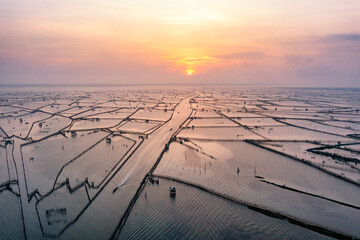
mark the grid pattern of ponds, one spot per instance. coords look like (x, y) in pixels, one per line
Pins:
(75, 163)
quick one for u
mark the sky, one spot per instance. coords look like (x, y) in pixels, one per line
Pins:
(300, 43)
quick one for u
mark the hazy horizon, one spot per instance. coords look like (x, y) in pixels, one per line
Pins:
(275, 44)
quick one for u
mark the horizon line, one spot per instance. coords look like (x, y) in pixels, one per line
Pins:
(159, 84)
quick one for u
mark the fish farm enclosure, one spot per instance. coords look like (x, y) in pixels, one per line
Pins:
(246, 163)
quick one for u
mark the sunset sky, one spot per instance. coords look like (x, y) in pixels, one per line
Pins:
(261, 42)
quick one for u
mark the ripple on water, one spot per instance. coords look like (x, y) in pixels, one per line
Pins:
(11, 223)
(195, 214)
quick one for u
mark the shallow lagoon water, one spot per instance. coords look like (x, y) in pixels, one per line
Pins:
(77, 185)
(220, 175)
(195, 214)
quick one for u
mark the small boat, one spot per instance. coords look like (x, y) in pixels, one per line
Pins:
(172, 191)
(152, 180)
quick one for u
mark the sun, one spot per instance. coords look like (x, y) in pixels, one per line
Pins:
(189, 72)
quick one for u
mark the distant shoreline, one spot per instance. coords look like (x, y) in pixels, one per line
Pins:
(171, 85)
